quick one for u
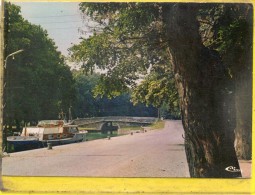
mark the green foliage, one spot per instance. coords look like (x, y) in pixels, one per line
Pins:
(38, 82)
(85, 104)
(158, 89)
(109, 87)
(127, 43)
(233, 34)
(118, 44)
(227, 28)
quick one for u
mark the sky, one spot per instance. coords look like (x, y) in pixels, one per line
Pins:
(61, 20)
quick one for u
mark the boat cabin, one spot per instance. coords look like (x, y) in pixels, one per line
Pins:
(50, 130)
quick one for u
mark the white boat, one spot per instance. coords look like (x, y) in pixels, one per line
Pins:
(55, 132)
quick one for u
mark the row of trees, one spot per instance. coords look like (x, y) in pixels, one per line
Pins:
(38, 83)
(206, 49)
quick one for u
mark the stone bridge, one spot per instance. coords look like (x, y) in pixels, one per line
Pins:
(101, 123)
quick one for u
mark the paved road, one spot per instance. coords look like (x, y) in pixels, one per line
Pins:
(157, 153)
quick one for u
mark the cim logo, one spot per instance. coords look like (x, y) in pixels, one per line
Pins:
(232, 169)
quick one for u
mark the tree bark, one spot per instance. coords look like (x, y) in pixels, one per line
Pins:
(243, 116)
(243, 87)
(206, 96)
(243, 80)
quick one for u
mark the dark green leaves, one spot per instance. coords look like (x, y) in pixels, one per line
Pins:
(38, 82)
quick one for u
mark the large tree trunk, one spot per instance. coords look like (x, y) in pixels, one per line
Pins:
(243, 116)
(206, 97)
(243, 80)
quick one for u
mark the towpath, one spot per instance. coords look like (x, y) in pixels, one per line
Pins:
(157, 153)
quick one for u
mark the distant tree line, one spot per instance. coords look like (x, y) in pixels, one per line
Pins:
(88, 104)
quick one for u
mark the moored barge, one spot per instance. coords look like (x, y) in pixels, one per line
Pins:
(56, 132)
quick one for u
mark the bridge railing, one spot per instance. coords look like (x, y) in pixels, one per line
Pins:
(83, 121)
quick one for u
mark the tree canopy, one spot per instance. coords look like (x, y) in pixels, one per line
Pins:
(127, 43)
(129, 38)
(112, 48)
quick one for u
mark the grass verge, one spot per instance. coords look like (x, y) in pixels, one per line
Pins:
(94, 136)
(158, 125)
(155, 126)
